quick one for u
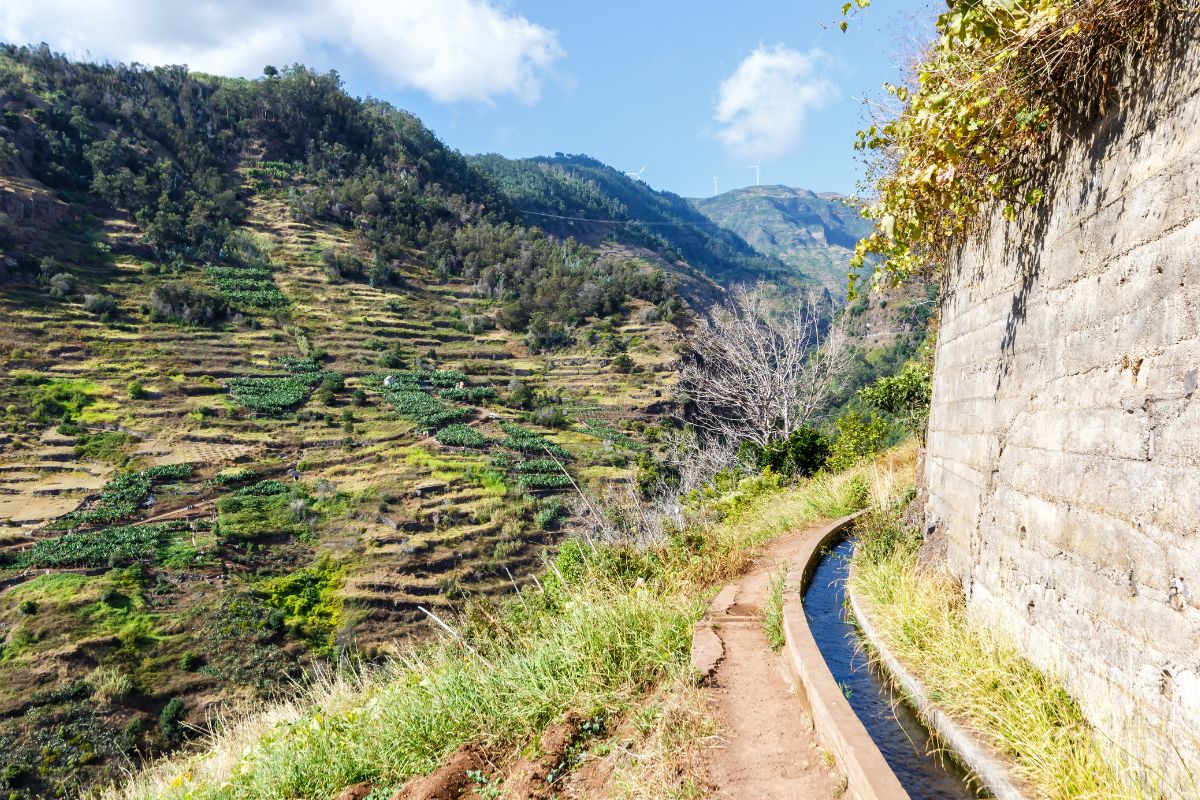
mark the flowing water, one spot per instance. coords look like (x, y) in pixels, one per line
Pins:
(900, 736)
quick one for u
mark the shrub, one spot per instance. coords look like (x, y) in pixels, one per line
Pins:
(109, 685)
(183, 303)
(803, 453)
(27, 607)
(550, 417)
(101, 305)
(135, 390)
(858, 435)
(170, 721)
(549, 512)
(623, 363)
(395, 357)
(904, 395)
(189, 662)
(519, 395)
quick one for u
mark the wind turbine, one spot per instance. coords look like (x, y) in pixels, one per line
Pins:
(755, 167)
(637, 175)
(715, 192)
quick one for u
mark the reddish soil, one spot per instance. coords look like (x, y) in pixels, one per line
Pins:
(768, 748)
(450, 781)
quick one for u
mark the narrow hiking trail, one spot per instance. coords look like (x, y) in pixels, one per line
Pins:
(768, 748)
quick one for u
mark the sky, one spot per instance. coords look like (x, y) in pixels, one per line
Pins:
(687, 90)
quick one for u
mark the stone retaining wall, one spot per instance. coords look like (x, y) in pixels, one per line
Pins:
(1063, 460)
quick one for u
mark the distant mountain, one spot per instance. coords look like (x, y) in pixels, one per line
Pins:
(575, 195)
(814, 233)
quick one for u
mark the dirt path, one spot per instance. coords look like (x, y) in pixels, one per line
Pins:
(768, 748)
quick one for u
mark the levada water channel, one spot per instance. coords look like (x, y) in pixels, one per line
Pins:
(905, 743)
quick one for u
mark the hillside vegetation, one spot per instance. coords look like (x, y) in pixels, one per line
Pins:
(280, 371)
(630, 213)
(812, 233)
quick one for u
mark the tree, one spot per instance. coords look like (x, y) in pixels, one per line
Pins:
(753, 373)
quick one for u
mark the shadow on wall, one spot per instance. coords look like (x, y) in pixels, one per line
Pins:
(1094, 120)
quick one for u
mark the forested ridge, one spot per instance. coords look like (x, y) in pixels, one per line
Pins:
(179, 151)
(578, 186)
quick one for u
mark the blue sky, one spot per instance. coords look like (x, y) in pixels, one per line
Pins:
(691, 90)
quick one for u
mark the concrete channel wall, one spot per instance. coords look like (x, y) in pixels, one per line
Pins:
(868, 775)
(1063, 459)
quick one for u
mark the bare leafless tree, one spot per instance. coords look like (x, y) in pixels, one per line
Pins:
(757, 373)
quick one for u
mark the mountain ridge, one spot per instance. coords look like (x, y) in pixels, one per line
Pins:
(812, 232)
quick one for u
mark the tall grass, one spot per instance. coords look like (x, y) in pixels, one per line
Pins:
(980, 678)
(602, 629)
(773, 610)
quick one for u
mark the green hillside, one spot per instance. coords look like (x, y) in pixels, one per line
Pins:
(278, 370)
(812, 233)
(605, 205)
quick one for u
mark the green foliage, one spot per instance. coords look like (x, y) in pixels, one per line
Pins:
(60, 399)
(170, 721)
(27, 607)
(233, 475)
(550, 510)
(538, 480)
(121, 496)
(265, 488)
(904, 395)
(404, 390)
(135, 391)
(106, 547)
(425, 411)
(773, 610)
(857, 435)
(803, 453)
(523, 440)
(272, 395)
(972, 128)
(111, 447)
(461, 436)
(246, 286)
(309, 598)
(536, 465)
(253, 516)
(469, 394)
(606, 432)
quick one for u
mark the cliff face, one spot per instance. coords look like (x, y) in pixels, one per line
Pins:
(1063, 460)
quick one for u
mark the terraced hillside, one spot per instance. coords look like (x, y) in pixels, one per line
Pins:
(242, 440)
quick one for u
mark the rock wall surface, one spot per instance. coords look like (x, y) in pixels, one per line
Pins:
(1063, 460)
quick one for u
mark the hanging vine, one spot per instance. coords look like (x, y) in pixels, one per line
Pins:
(968, 133)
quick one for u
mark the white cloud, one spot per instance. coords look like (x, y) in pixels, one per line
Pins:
(763, 105)
(454, 50)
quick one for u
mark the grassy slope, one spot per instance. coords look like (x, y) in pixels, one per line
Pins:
(983, 680)
(410, 521)
(604, 630)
